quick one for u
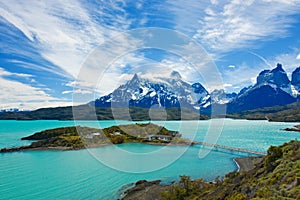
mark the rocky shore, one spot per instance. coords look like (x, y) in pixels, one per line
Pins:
(248, 163)
(295, 128)
(145, 190)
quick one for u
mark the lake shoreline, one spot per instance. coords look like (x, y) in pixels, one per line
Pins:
(62, 148)
(148, 190)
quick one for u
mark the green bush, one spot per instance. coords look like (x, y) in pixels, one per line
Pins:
(274, 153)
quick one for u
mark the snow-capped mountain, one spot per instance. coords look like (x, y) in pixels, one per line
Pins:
(272, 87)
(276, 76)
(165, 92)
(221, 97)
(278, 79)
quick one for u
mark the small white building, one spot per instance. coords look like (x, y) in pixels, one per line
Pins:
(91, 135)
(117, 133)
(165, 138)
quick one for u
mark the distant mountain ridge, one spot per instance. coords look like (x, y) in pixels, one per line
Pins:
(272, 88)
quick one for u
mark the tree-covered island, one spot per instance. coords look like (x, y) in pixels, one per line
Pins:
(79, 137)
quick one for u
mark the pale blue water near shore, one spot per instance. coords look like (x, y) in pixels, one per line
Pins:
(78, 175)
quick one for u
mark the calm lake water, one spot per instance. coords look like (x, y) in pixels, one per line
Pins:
(79, 175)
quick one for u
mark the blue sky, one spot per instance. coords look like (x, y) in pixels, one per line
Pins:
(44, 44)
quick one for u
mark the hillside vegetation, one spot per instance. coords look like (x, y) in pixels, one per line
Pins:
(277, 176)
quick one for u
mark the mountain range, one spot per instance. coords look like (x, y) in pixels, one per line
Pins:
(162, 92)
(273, 97)
(272, 88)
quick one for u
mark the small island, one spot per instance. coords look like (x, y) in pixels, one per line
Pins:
(78, 137)
(294, 128)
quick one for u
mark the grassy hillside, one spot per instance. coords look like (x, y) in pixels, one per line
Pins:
(277, 176)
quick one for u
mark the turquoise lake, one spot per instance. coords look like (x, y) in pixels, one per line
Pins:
(79, 175)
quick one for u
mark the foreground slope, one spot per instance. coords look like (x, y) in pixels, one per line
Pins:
(275, 176)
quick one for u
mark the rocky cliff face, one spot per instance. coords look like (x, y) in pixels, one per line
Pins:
(296, 79)
(277, 76)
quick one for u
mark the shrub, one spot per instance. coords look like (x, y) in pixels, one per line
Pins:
(274, 153)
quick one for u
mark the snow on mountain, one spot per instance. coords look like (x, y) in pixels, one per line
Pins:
(278, 79)
(221, 97)
(273, 87)
(161, 91)
(276, 76)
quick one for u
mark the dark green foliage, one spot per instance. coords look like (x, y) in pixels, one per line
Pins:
(274, 153)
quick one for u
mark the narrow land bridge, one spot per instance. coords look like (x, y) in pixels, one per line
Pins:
(217, 146)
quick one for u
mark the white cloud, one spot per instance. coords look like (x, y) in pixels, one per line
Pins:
(77, 91)
(64, 32)
(223, 26)
(240, 76)
(14, 94)
(253, 80)
(227, 85)
(3, 72)
(288, 60)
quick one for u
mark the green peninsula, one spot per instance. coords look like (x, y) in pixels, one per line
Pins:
(78, 137)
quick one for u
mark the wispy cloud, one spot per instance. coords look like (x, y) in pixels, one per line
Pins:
(223, 26)
(238, 23)
(289, 60)
(3, 72)
(15, 94)
(60, 38)
(240, 76)
(64, 32)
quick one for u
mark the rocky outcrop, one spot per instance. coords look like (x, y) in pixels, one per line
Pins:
(144, 190)
(295, 128)
(296, 78)
(277, 76)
